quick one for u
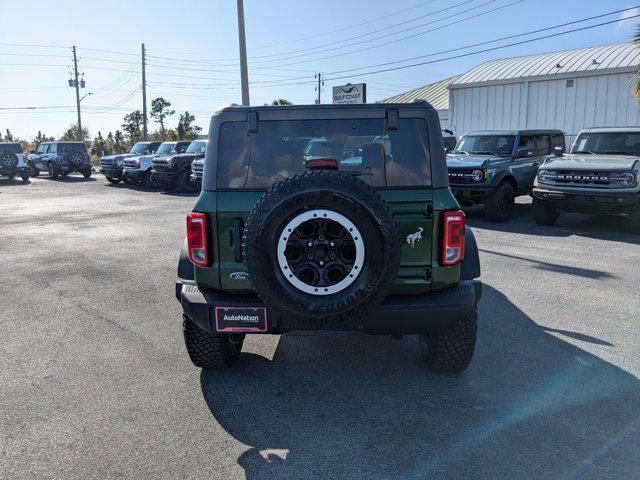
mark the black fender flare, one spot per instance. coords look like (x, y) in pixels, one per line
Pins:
(185, 267)
(508, 176)
(470, 265)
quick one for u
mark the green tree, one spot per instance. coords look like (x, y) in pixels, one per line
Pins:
(186, 130)
(99, 146)
(71, 134)
(281, 101)
(160, 110)
(119, 144)
(39, 139)
(132, 126)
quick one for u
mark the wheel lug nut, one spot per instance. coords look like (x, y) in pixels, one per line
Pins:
(321, 263)
(332, 256)
(333, 244)
(310, 244)
(310, 256)
(321, 238)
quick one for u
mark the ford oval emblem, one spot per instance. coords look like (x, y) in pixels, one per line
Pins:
(238, 276)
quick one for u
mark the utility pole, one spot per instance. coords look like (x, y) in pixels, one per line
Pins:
(244, 76)
(144, 95)
(77, 85)
(319, 87)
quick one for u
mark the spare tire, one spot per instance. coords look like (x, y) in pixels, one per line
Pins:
(76, 158)
(8, 160)
(322, 247)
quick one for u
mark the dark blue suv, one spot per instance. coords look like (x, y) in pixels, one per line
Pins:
(61, 158)
(493, 167)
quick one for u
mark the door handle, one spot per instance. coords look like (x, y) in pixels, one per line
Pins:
(238, 225)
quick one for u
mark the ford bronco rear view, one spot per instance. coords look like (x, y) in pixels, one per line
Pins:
(363, 235)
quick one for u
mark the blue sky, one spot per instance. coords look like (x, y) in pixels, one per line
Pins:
(192, 48)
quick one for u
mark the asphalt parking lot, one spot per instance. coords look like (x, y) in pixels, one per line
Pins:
(95, 381)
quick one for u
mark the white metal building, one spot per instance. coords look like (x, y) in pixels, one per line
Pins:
(568, 90)
(437, 94)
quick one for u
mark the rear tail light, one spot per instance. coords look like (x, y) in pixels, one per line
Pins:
(197, 238)
(453, 239)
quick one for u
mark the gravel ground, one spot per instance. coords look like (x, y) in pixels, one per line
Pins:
(95, 381)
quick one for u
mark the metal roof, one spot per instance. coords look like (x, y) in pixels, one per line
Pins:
(436, 94)
(594, 59)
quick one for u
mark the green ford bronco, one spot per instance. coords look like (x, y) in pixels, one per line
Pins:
(365, 236)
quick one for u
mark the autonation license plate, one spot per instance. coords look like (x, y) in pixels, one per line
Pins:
(241, 319)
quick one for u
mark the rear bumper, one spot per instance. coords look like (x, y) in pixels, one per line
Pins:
(399, 314)
(588, 201)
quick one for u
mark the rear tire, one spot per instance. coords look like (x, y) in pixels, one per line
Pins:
(86, 173)
(210, 351)
(35, 172)
(25, 176)
(499, 204)
(451, 351)
(543, 213)
(113, 180)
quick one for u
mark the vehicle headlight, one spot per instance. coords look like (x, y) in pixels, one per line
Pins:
(477, 175)
(138, 163)
(627, 179)
(543, 175)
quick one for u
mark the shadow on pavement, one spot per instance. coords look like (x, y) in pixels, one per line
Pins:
(554, 267)
(603, 227)
(342, 405)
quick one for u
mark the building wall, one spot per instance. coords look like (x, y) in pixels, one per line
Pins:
(593, 101)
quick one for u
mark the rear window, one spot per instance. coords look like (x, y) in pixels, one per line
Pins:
(67, 147)
(279, 150)
(10, 147)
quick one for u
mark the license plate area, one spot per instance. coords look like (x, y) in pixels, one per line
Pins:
(240, 319)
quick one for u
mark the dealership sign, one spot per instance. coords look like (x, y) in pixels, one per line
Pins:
(350, 93)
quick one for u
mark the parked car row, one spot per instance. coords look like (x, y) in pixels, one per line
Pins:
(601, 174)
(156, 164)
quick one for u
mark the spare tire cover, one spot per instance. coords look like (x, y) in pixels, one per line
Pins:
(8, 160)
(76, 158)
(322, 246)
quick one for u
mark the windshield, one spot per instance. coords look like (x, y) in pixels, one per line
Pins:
(618, 143)
(486, 144)
(197, 147)
(140, 148)
(279, 149)
(166, 148)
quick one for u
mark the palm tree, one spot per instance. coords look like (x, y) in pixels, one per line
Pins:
(281, 101)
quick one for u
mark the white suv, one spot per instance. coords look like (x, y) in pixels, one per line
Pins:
(13, 162)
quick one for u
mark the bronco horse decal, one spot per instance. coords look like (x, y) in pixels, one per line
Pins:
(415, 237)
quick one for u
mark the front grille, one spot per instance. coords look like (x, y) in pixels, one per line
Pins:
(109, 162)
(461, 175)
(197, 167)
(583, 178)
(161, 165)
(130, 164)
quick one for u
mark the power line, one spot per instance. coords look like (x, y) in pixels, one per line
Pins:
(509, 37)
(544, 37)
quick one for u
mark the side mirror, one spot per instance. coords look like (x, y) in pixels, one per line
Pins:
(558, 150)
(524, 152)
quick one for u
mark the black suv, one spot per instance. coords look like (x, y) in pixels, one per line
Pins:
(13, 162)
(61, 158)
(493, 167)
(174, 169)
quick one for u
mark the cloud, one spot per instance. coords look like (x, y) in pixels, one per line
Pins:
(626, 15)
